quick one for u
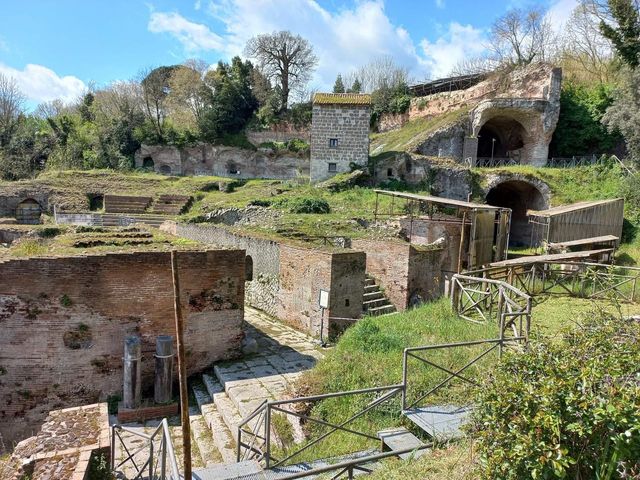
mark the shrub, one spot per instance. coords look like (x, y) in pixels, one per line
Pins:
(260, 203)
(565, 409)
(307, 205)
(297, 145)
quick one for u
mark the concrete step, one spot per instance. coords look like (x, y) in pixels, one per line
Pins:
(222, 437)
(212, 384)
(369, 281)
(243, 470)
(371, 288)
(229, 413)
(203, 438)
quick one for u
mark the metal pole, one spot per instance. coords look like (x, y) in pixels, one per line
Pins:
(267, 436)
(151, 457)
(182, 368)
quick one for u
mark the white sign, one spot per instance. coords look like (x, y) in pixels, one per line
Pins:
(324, 299)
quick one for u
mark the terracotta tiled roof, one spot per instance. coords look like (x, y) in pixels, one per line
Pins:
(342, 99)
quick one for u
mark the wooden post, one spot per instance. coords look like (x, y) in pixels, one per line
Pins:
(163, 391)
(182, 369)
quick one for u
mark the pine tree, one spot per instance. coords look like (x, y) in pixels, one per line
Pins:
(625, 36)
(356, 87)
(338, 87)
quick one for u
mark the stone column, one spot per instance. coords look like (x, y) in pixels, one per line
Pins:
(164, 369)
(132, 365)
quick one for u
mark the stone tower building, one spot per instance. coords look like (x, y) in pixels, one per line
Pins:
(339, 133)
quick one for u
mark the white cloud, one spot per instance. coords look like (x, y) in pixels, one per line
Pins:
(193, 36)
(342, 40)
(456, 44)
(41, 84)
(559, 13)
(197, 5)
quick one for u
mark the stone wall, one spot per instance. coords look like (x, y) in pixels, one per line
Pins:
(304, 272)
(277, 135)
(64, 321)
(409, 274)
(261, 291)
(207, 159)
(9, 204)
(349, 125)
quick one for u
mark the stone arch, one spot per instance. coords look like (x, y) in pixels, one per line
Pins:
(502, 136)
(147, 162)
(165, 169)
(519, 195)
(28, 211)
(248, 269)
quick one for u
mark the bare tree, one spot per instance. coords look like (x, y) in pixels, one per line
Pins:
(475, 65)
(585, 47)
(49, 109)
(186, 100)
(522, 36)
(380, 72)
(11, 107)
(286, 58)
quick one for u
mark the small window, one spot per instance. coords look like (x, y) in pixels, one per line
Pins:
(333, 167)
(333, 143)
(389, 172)
(346, 302)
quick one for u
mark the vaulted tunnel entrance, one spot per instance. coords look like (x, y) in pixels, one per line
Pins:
(500, 137)
(519, 196)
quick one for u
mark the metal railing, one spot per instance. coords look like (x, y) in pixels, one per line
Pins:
(575, 279)
(480, 300)
(155, 459)
(491, 162)
(417, 353)
(257, 436)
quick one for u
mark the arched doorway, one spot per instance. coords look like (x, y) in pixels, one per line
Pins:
(147, 163)
(28, 212)
(165, 170)
(501, 137)
(519, 196)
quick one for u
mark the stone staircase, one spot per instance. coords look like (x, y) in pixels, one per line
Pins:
(374, 301)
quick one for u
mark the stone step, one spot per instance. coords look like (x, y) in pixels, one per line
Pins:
(371, 288)
(373, 296)
(382, 310)
(222, 437)
(203, 438)
(378, 302)
(229, 413)
(212, 384)
(369, 281)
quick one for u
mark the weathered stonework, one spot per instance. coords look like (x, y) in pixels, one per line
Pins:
(339, 134)
(207, 159)
(64, 321)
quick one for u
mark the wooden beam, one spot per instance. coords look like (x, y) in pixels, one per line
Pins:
(182, 369)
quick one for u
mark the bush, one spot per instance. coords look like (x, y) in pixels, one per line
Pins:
(307, 205)
(565, 409)
(297, 145)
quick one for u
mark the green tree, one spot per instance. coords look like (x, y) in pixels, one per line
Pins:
(580, 130)
(356, 87)
(230, 101)
(624, 30)
(338, 86)
(624, 113)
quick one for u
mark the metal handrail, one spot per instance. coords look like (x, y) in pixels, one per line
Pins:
(165, 452)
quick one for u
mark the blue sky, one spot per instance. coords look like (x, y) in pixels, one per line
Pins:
(54, 49)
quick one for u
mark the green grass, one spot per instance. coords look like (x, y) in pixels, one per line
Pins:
(413, 132)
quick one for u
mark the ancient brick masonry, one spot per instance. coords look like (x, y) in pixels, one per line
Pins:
(64, 320)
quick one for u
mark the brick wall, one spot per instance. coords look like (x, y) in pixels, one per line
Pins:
(349, 124)
(409, 274)
(304, 272)
(64, 321)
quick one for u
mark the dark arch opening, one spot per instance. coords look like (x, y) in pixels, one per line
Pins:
(501, 137)
(165, 170)
(28, 212)
(147, 163)
(248, 269)
(519, 196)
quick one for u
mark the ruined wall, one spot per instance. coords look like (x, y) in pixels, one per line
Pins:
(207, 159)
(261, 292)
(409, 274)
(10, 204)
(64, 321)
(531, 82)
(304, 272)
(349, 125)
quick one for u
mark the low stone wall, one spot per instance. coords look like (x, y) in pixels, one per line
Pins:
(265, 136)
(64, 321)
(63, 447)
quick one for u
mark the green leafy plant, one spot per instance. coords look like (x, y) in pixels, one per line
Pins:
(564, 409)
(306, 205)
